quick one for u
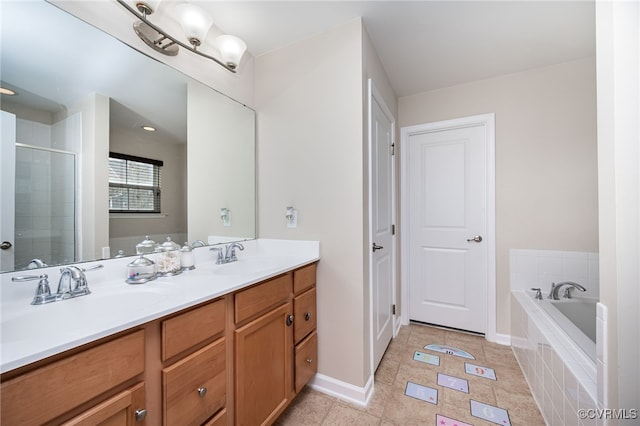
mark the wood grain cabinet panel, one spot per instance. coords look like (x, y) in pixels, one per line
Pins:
(304, 312)
(186, 330)
(46, 393)
(263, 368)
(304, 278)
(259, 299)
(306, 361)
(119, 410)
(194, 388)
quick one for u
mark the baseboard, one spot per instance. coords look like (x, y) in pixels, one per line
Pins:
(398, 324)
(503, 339)
(342, 390)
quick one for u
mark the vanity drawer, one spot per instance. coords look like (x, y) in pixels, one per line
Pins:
(304, 278)
(194, 388)
(187, 330)
(306, 361)
(304, 313)
(43, 394)
(262, 297)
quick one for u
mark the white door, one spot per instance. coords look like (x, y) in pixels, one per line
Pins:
(381, 138)
(446, 201)
(7, 189)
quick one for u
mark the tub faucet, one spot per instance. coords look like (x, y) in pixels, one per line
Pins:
(555, 288)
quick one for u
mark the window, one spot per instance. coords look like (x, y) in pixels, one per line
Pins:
(134, 184)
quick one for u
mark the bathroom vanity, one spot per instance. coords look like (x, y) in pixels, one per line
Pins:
(229, 344)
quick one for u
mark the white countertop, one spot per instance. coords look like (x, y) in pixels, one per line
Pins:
(30, 333)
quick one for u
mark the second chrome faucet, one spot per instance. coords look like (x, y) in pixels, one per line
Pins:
(228, 254)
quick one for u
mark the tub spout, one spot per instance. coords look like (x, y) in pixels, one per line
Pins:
(570, 285)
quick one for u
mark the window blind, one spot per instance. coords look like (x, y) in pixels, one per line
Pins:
(134, 184)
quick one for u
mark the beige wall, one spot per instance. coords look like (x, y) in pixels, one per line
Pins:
(546, 166)
(309, 126)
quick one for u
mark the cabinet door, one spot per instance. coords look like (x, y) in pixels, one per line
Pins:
(264, 350)
(124, 409)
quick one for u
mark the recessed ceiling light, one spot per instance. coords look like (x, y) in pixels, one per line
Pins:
(5, 91)
(149, 128)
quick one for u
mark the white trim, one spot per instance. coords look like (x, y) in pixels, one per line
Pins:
(488, 121)
(373, 93)
(503, 339)
(343, 390)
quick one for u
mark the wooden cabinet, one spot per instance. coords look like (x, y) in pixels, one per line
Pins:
(194, 387)
(239, 359)
(275, 345)
(48, 392)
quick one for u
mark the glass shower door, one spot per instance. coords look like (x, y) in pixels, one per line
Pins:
(44, 206)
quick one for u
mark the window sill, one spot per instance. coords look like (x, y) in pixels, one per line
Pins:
(138, 215)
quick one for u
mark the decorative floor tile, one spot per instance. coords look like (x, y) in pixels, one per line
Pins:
(423, 393)
(446, 421)
(454, 383)
(490, 413)
(476, 370)
(449, 350)
(426, 358)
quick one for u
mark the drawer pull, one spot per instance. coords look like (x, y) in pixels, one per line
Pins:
(309, 360)
(307, 316)
(140, 414)
(289, 319)
(202, 391)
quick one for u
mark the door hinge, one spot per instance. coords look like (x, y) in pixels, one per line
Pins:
(393, 230)
(393, 309)
(393, 149)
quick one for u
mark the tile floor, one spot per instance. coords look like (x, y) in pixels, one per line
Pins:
(389, 404)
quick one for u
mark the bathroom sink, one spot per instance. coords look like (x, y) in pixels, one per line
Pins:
(247, 266)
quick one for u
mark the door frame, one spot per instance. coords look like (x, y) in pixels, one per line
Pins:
(373, 93)
(488, 121)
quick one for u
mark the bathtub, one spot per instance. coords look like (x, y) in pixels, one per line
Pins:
(577, 318)
(551, 341)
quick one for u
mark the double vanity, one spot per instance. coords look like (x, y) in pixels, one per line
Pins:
(221, 344)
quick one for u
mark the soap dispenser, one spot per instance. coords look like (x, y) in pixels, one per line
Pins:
(187, 257)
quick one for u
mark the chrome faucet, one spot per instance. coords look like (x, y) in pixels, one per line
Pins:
(36, 263)
(229, 253)
(43, 291)
(570, 285)
(198, 243)
(72, 283)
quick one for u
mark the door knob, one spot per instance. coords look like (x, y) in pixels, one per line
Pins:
(377, 247)
(5, 245)
(476, 239)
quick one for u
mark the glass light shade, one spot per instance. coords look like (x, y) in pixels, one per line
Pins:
(195, 21)
(231, 48)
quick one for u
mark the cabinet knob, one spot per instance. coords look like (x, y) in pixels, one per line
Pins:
(202, 391)
(140, 414)
(289, 319)
(309, 360)
(307, 316)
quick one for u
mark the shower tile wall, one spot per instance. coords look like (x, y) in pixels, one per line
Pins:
(539, 268)
(45, 192)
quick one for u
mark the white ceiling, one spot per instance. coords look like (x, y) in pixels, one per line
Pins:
(425, 45)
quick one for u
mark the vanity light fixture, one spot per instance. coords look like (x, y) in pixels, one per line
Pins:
(149, 128)
(5, 91)
(195, 24)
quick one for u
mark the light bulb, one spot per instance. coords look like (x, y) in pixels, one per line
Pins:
(195, 21)
(231, 48)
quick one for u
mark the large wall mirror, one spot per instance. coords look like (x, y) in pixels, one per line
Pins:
(80, 176)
